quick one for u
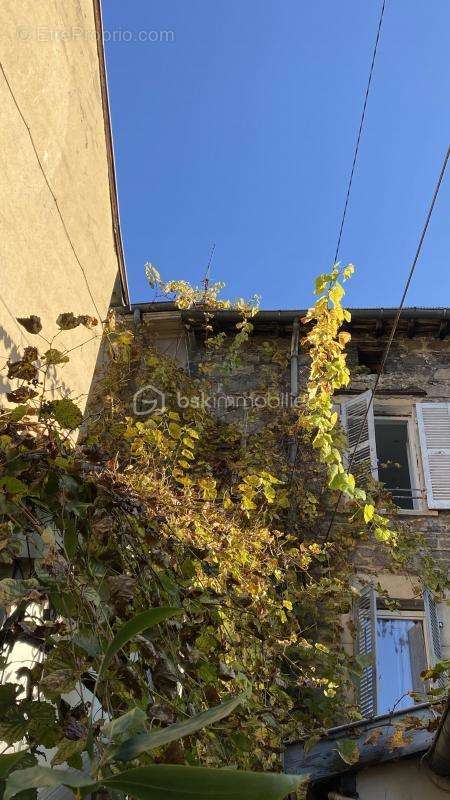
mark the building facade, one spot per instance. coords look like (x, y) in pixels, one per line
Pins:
(402, 439)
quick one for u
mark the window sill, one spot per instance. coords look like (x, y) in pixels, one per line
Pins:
(410, 512)
(417, 512)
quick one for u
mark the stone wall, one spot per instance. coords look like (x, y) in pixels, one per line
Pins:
(417, 370)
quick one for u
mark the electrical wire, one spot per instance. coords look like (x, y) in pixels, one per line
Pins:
(361, 125)
(395, 324)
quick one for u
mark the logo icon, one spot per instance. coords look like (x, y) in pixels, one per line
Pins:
(148, 400)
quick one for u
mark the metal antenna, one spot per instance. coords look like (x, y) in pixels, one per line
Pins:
(205, 280)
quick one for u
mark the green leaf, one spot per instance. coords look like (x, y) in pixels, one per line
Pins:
(139, 623)
(13, 727)
(87, 642)
(13, 485)
(135, 718)
(369, 511)
(67, 321)
(67, 749)
(14, 589)
(58, 682)
(70, 541)
(8, 693)
(10, 760)
(53, 357)
(348, 750)
(39, 777)
(92, 596)
(64, 603)
(43, 726)
(176, 782)
(131, 748)
(18, 413)
(66, 413)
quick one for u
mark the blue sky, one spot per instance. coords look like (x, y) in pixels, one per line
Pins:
(241, 132)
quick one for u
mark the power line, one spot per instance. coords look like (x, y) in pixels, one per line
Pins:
(358, 138)
(361, 125)
(395, 324)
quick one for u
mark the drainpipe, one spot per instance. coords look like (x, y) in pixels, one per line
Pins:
(294, 380)
(438, 757)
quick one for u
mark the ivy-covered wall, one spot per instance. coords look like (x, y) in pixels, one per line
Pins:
(417, 370)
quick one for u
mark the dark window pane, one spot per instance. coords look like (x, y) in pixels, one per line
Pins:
(391, 438)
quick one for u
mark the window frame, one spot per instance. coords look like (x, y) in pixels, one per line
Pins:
(366, 612)
(417, 485)
(406, 614)
(408, 409)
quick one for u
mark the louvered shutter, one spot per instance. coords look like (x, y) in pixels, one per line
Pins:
(416, 642)
(366, 645)
(434, 433)
(354, 411)
(433, 631)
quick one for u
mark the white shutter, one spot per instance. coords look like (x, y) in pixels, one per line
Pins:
(359, 424)
(434, 432)
(366, 645)
(433, 632)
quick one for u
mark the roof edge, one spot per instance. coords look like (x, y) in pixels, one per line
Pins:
(110, 154)
(287, 316)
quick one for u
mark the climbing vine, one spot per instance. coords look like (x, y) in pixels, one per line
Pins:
(199, 514)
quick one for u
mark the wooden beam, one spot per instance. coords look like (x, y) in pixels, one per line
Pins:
(411, 329)
(324, 761)
(379, 328)
(443, 329)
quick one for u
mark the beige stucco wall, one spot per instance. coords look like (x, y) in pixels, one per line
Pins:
(50, 58)
(404, 780)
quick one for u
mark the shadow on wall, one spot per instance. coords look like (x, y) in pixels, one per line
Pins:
(13, 355)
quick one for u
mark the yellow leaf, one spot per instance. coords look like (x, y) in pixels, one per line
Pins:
(174, 430)
(247, 504)
(348, 271)
(336, 294)
(187, 454)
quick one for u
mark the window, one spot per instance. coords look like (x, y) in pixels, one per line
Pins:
(385, 448)
(401, 657)
(394, 459)
(397, 646)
